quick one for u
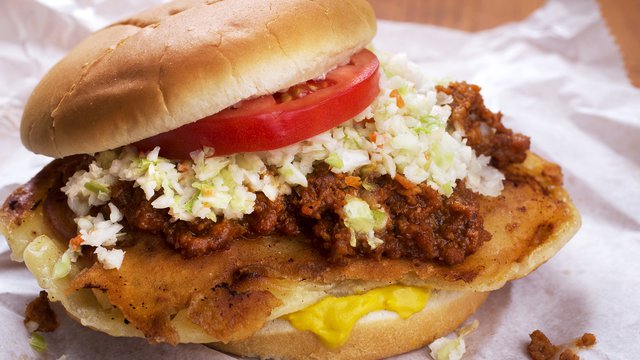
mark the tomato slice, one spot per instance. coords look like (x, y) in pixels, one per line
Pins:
(274, 121)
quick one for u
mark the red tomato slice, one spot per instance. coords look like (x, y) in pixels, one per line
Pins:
(274, 121)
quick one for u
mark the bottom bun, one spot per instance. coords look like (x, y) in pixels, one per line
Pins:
(376, 335)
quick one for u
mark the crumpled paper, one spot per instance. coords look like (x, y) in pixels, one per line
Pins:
(557, 76)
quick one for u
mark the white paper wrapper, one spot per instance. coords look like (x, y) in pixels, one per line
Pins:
(557, 76)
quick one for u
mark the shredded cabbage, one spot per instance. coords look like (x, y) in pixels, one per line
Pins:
(86, 189)
(38, 343)
(62, 267)
(446, 348)
(361, 219)
(100, 233)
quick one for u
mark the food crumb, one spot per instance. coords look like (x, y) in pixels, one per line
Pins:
(586, 340)
(541, 348)
(568, 354)
(39, 316)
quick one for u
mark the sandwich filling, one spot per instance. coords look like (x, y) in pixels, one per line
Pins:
(230, 294)
(400, 180)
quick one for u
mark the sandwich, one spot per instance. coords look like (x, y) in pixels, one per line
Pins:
(253, 175)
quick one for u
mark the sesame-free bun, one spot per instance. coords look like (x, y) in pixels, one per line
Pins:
(182, 61)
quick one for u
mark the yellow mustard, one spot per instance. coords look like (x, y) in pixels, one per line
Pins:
(333, 318)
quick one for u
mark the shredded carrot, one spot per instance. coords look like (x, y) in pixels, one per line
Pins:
(404, 182)
(183, 166)
(353, 181)
(363, 123)
(75, 243)
(373, 137)
(399, 100)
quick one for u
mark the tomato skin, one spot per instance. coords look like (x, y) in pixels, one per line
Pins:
(263, 124)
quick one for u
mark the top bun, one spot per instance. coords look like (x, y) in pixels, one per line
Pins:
(182, 61)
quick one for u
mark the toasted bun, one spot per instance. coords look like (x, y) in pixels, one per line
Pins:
(183, 61)
(377, 335)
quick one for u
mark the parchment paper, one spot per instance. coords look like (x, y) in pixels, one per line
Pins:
(557, 76)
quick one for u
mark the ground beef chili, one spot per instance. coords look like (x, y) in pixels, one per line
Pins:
(541, 348)
(483, 129)
(38, 316)
(422, 224)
